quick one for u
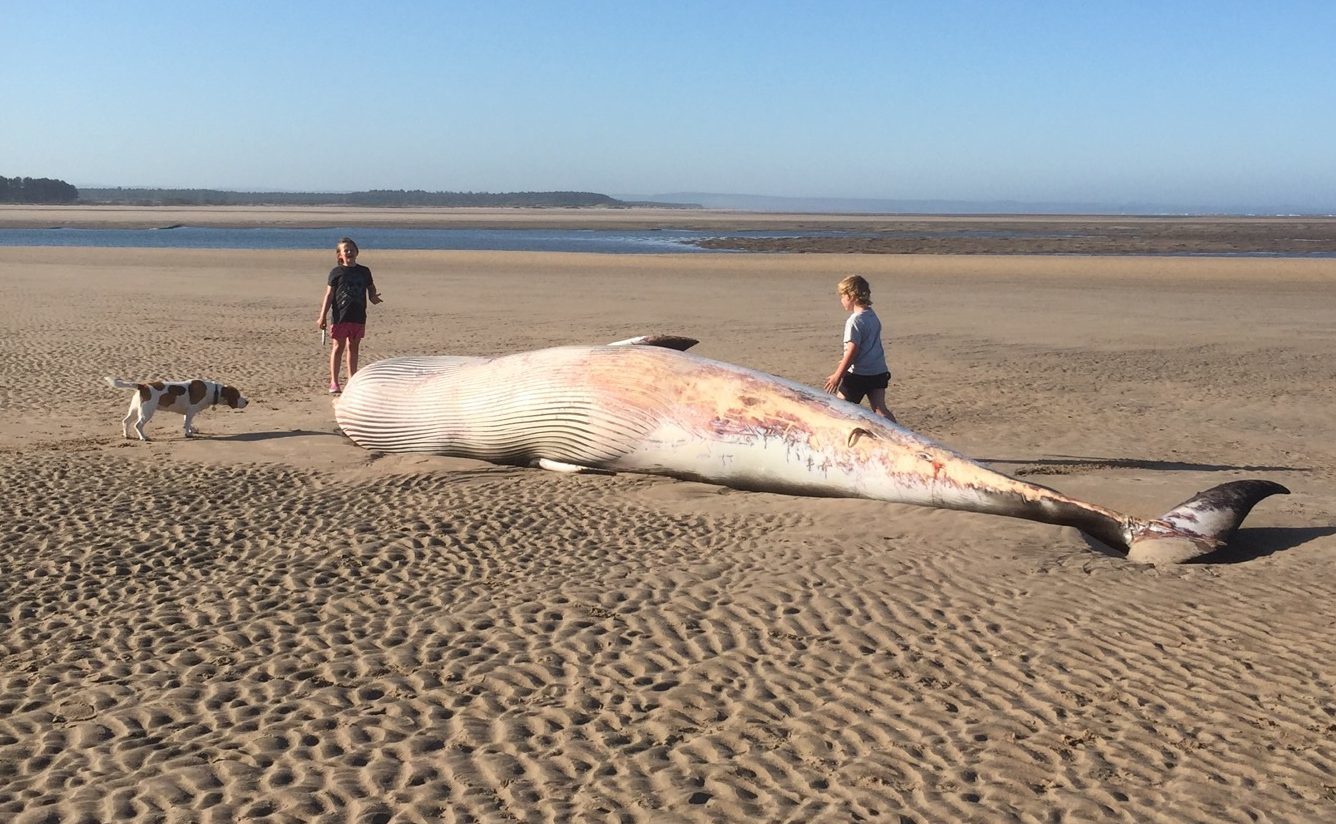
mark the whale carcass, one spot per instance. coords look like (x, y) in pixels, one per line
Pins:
(646, 406)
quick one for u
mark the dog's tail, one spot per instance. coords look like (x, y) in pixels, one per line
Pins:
(117, 383)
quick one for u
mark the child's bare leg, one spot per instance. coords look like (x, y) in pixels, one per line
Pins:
(353, 346)
(876, 398)
(335, 355)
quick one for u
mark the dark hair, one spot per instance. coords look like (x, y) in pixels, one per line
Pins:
(350, 242)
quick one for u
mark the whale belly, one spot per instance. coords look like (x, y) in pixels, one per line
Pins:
(506, 410)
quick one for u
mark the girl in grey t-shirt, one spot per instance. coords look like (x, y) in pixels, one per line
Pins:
(862, 370)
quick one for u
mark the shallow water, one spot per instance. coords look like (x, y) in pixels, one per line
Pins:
(621, 241)
(608, 241)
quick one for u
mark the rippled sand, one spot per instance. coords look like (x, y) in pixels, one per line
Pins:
(268, 623)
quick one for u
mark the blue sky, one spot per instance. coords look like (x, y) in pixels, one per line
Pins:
(1229, 105)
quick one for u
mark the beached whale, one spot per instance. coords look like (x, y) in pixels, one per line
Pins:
(645, 406)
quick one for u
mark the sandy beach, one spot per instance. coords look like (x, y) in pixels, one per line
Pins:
(267, 622)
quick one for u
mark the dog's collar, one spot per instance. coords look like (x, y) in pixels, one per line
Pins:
(217, 392)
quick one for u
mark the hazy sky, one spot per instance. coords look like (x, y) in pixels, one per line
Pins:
(1225, 104)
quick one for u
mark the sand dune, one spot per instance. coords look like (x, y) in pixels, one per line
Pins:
(268, 623)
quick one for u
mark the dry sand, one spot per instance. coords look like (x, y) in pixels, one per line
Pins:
(269, 623)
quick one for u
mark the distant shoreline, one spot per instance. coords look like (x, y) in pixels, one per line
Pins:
(879, 234)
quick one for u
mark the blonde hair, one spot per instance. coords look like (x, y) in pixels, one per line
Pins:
(856, 287)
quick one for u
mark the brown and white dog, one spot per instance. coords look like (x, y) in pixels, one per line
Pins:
(188, 398)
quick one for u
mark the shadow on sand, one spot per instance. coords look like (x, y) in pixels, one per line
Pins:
(1056, 465)
(1259, 542)
(247, 437)
(1246, 545)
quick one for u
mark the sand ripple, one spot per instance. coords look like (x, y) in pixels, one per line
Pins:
(270, 643)
(269, 624)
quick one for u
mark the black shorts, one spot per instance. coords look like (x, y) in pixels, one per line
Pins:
(855, 387)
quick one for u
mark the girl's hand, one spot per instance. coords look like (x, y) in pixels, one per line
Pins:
(374, 298)
(833, 383)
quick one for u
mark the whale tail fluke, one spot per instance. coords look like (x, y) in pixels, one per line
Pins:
(1200, 525)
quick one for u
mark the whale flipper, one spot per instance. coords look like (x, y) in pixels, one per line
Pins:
(570, 468)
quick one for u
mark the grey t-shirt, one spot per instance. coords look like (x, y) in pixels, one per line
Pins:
(864, 329)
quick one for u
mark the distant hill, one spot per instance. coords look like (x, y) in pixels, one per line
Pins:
(373, 198)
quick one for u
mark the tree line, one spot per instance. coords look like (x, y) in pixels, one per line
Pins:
(47, 190)
(377, 197)
(36, 190)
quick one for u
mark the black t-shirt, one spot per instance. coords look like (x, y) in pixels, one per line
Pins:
(350, 288)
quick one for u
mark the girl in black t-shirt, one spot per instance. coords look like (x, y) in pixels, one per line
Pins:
(349, 288)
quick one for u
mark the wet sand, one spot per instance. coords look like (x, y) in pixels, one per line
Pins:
(268, 623)
(871, 234)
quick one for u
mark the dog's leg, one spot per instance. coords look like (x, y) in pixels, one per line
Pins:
(129, 416)
(190, 430)
(145, 412)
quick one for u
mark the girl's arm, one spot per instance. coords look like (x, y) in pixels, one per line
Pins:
(324, 307)
(833, 380)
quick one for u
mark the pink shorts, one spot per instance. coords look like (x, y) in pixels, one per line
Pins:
(347, 331)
